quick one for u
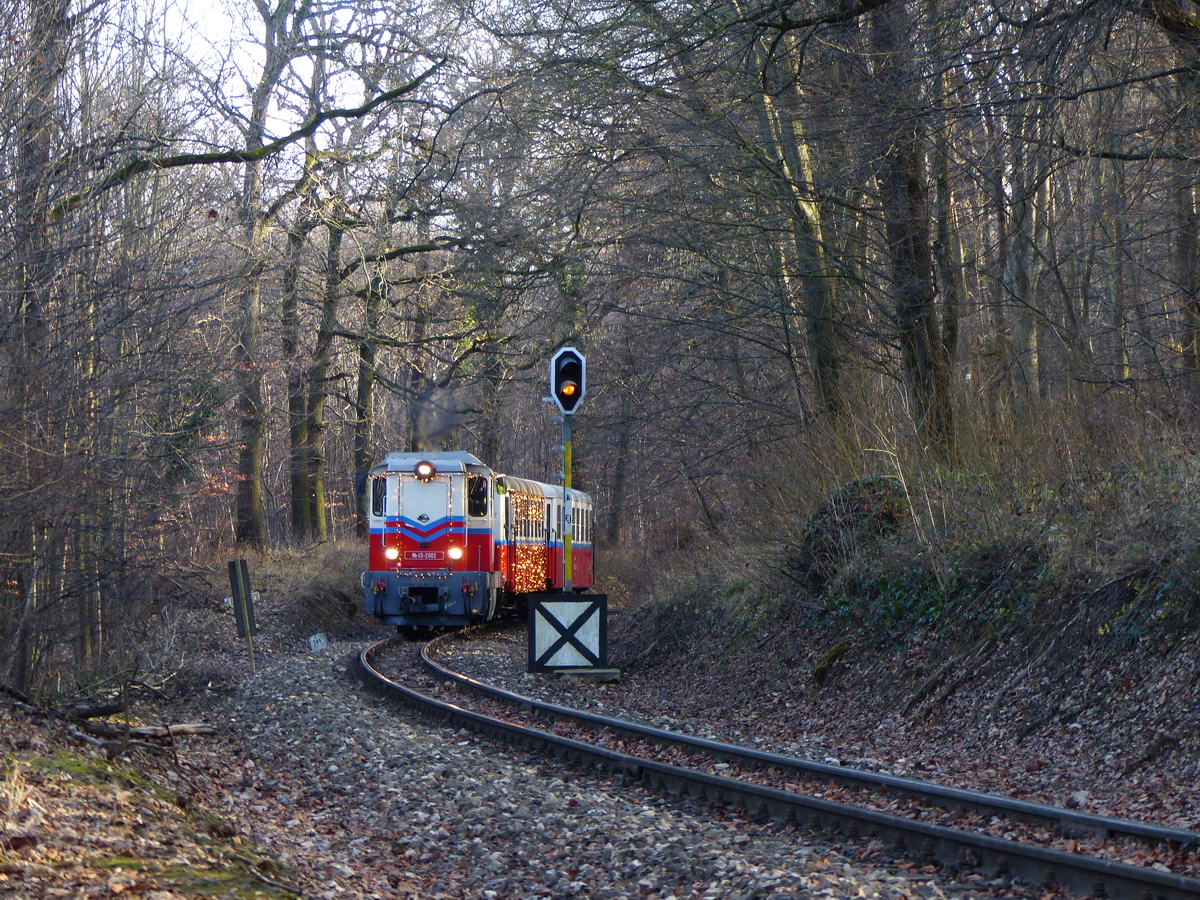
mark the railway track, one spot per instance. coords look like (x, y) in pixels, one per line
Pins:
(591, 745)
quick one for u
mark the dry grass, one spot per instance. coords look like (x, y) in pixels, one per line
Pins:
(1101, 481)
(315, 588)
(1021, 515)
(14, 790)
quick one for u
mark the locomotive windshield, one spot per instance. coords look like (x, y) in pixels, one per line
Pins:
(424, 501)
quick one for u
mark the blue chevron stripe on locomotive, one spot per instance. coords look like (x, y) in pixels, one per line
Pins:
(424, 532)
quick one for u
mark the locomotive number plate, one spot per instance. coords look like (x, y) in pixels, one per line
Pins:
(417, 555)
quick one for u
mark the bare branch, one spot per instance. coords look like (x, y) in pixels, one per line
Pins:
(841, 17)
(139, 165)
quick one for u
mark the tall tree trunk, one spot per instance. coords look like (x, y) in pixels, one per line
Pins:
(783, 133)
(1187, 240)
(906, 215)
(319, 381)
(418, 381)
(46, 61)
(364, 397)
(297, 421)
(1188, 255)
(250, 518)
(616, 502)
(1115, 279)
(947, 243)
(1182, 28)
(1027, 223)
(251, 525)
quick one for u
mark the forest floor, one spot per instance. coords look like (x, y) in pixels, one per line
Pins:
(314, 787)
(272, 805)
(1111, 732)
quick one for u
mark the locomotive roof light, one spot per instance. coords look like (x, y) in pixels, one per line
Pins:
(424, 470)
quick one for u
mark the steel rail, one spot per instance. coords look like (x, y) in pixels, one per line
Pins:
(949, 846)
(1065, 821)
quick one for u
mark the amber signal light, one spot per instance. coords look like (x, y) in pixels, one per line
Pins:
(568, 379)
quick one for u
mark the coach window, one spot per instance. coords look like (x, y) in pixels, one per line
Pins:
(477, 496)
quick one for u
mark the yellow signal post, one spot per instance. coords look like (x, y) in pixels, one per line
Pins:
(567, 502)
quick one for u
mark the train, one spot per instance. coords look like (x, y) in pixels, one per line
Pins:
(453, 542)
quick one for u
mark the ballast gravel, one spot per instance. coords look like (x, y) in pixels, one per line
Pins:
(360, 796)
(1073, 765)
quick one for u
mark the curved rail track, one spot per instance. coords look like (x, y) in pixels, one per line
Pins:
(952, 847)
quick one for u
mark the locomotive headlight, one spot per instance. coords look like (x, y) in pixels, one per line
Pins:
(392, 552)
(455, 552)
(424, 470)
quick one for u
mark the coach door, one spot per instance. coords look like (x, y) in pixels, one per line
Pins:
(479, 524)
(509, 537)
(549, 544)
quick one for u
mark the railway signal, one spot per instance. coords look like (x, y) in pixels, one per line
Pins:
(568, 373)
(568, 383)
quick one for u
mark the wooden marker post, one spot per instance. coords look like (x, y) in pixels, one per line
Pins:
(243, 604)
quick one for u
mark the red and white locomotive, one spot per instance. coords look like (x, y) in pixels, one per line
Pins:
(454, 542)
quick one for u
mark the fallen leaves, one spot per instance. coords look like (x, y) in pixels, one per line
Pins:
(88, 827)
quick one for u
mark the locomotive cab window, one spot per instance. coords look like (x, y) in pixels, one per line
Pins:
(477, 496)
(378, 486)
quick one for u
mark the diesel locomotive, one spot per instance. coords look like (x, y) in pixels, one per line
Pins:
(454, 542)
